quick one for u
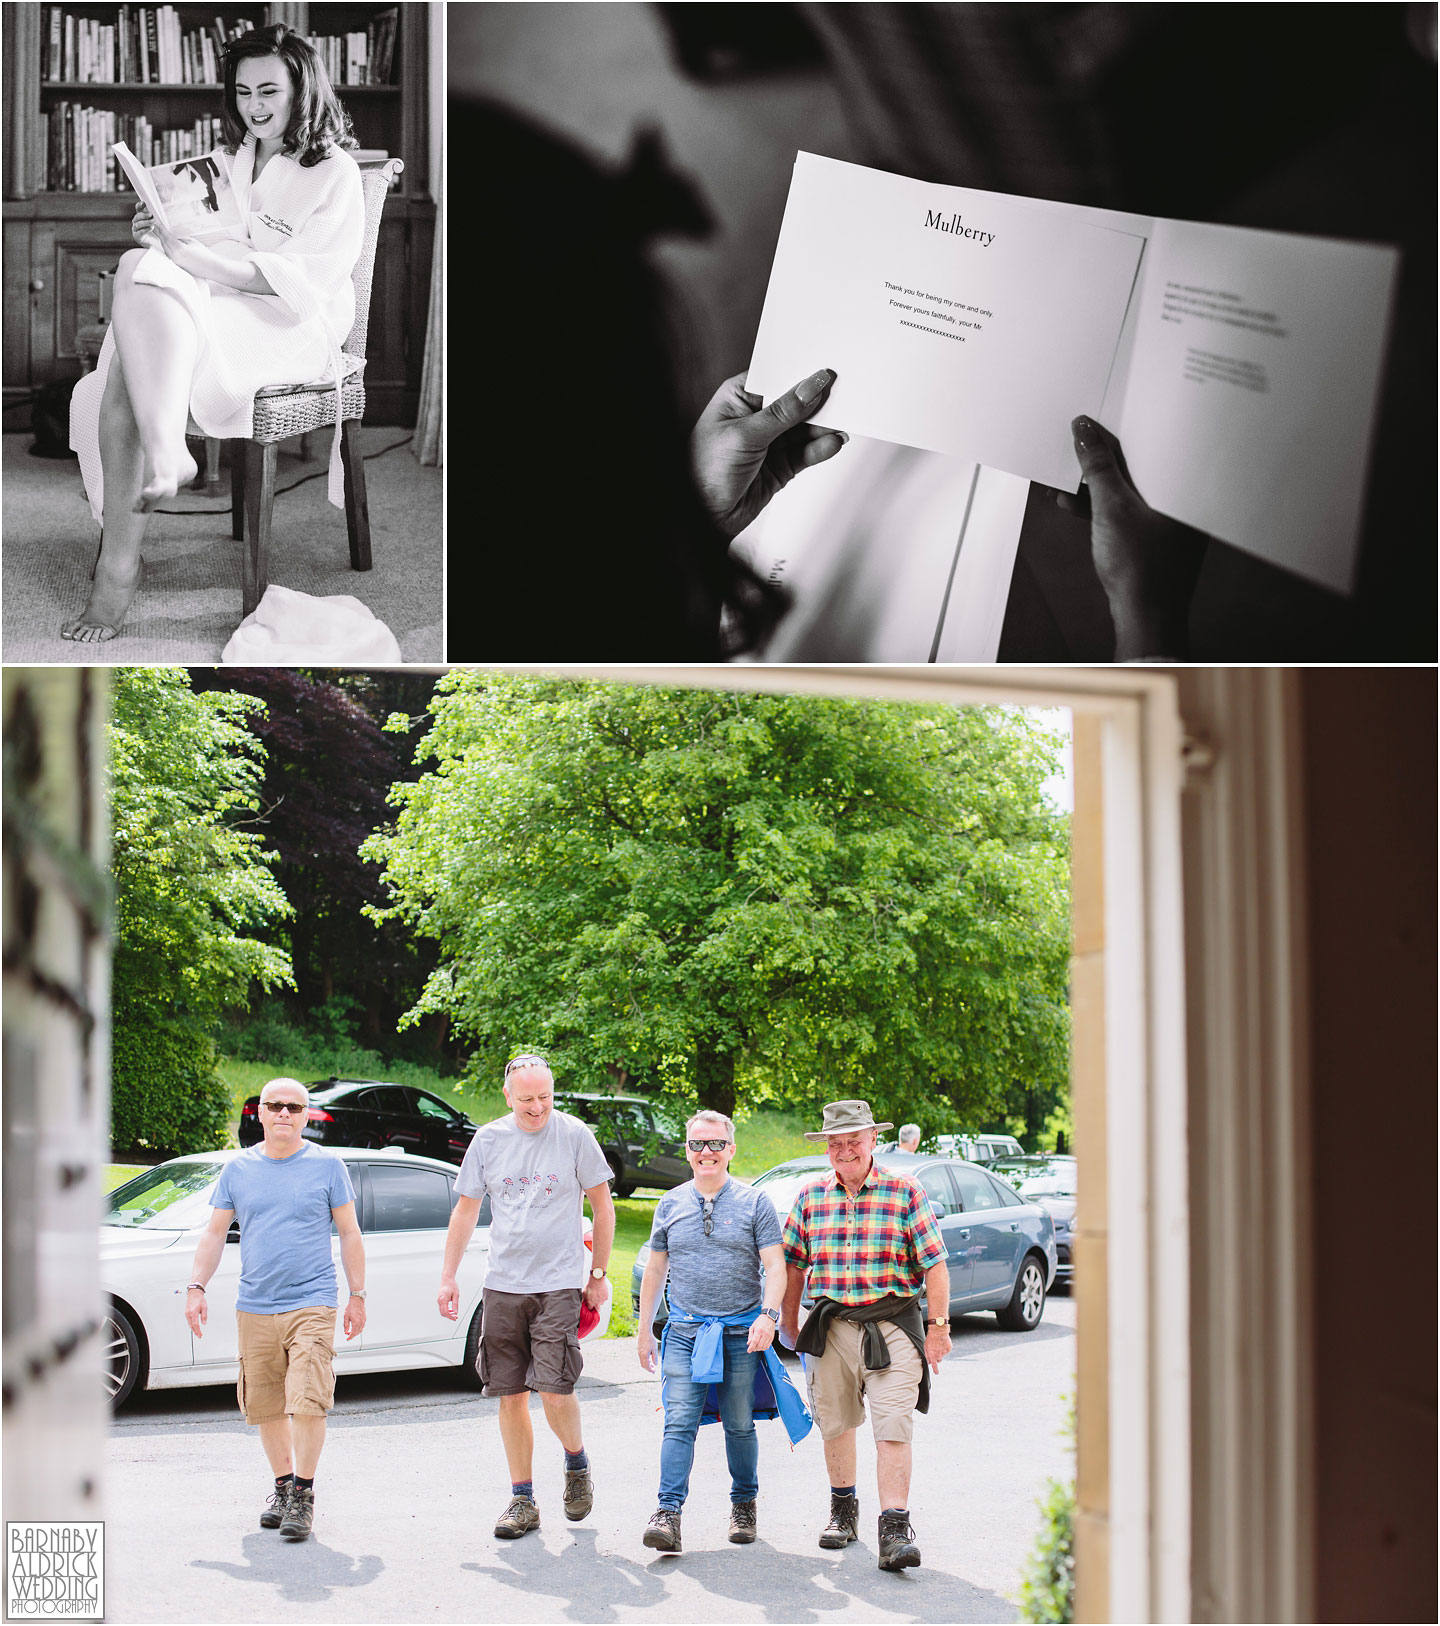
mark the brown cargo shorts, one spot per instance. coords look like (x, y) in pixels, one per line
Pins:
(841, 1387)
(287, 1363)
(530, 1341)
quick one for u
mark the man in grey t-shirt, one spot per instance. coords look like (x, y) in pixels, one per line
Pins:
(711, 1236)
(535, 1165)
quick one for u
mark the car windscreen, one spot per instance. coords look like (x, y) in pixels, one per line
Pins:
(1038, 1179)
(169, 1197)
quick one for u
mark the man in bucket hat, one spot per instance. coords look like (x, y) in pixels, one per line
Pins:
(867, 1239)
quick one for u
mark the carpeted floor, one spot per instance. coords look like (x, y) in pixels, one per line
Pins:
(189, 599)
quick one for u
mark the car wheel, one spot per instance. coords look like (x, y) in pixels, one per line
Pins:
(1027, 1302)
(124, 1361)
(620, 1186)
(470, 1367)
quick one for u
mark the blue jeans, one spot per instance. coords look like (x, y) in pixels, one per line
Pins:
(684, 1401)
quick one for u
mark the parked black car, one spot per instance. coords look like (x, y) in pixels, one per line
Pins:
(638, 1149)
(369, 1112)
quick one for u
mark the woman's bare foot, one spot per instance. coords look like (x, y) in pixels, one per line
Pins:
(162, 480)
(105, 609)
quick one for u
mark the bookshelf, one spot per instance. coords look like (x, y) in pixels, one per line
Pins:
(64, 223)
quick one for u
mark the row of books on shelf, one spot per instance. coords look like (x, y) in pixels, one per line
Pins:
(78, 143)
(363, 57)
(146, 45)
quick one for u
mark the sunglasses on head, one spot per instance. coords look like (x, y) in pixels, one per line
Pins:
(296, 1107)
(525, 1061)
(707, 1145)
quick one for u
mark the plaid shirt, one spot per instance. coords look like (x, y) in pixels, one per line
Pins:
(883, 1241)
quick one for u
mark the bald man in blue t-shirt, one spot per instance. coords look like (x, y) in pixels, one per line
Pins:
(285, 1192)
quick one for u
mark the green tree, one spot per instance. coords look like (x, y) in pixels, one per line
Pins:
(752, 899)
(193, 894)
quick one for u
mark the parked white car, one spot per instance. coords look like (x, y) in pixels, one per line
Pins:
(147, 1245)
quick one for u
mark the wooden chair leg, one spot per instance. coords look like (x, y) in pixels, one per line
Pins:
(212, 466)
(259, 500)
(357, 508)
(237, 489)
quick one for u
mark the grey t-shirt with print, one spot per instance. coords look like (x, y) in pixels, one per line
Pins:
(536, 1183)
(717, 1274)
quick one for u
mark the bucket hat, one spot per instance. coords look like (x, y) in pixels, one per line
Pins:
(844, 1118)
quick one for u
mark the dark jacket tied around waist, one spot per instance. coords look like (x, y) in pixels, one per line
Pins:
(902, 1310)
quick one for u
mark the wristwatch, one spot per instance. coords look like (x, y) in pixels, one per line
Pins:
(357, 1292)
(773, 1314)
(596, 1274)
(938, 1321)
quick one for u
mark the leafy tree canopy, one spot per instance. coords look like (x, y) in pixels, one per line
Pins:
(328, 767)
(193, 888)
(742, 898)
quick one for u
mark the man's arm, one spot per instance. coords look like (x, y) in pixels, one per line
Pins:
(762, 1328)
(352, 1257)
(790, 1307)
(602, 1239)
(651, 1282)
(209, 1251)
(937, 1302)
(457, 1238)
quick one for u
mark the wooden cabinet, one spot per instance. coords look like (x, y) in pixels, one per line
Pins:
(56, 243)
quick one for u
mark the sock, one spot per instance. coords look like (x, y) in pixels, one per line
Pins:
(304, 1484)
(842, 1490)
(282, 1480)
(523, 1487)
(575, 1460)
(904, 1512)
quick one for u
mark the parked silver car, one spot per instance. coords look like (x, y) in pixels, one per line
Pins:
(1050, 1181)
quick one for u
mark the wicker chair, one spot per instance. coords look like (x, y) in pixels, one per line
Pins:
(297, 409)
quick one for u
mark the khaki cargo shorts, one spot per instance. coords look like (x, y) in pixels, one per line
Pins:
(530, 1341)
(840, 1386)
(287, 1363)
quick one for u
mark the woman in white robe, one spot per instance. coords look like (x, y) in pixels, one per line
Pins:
(196, 328)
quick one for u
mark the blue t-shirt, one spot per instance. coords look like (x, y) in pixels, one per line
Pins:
(283, 1205)
(718, 1274)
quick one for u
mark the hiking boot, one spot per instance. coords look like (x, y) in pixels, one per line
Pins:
(299, 1513)
(844, 1525)
(663, 1530)
(579, 1495)
(897, 1542)
(274, 1515)
(742, 1521)
(520, 1516)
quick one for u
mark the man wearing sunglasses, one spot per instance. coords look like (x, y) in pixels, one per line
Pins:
(712, 1236)
(285, 1191)
(535, 1164)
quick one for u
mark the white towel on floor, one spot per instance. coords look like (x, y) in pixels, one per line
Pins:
(288, 628)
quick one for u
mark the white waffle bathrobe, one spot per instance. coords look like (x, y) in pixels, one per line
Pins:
(304, 230)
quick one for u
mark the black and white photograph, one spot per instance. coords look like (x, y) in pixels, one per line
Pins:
(223, 333)
(952, 332)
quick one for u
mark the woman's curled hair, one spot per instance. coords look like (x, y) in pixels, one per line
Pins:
(318, 120)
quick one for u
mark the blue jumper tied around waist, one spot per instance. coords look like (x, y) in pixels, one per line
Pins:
(775, 1393)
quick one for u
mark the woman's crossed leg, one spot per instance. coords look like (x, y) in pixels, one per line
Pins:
(143, 457)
